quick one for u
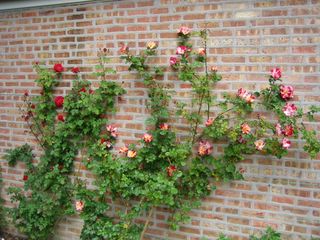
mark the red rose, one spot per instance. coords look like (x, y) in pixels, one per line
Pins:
(288, 130)
(25, 177)
(82, 90)
(170, 170)
(75, 70)
(58, 68)
(60, 117)
(59, 101)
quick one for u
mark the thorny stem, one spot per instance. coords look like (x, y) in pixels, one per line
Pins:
(206, 69)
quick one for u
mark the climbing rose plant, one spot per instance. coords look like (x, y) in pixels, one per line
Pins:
(163, 168)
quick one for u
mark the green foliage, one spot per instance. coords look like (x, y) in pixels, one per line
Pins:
(48, 192)
(270, 234)
(2, 209)
(22, 153)
(223, 237)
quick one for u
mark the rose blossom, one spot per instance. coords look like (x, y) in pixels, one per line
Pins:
(75, 70)
(124, 49)
(82, 90)
(124, 149)
(58, 68)
(286, 143)
(241, 140)
(248, 97)
(289, 109)
(170, 170)
(181, 50)
(131, 154)
(151, 45)
(164, 126)
(214, 68)
(276, 73)
(242, 92)
(25, 177)
(147, 138)
(209, 122)
(288, 130)
(173, 61)
(286, 92)
(259, 144)
(105, 142)
(59, 101)
(79, 205)
(60, 117)
(278, 129)
(245, 128)
(201, 51)
(184, 30)
(205, 148)
(112, 130)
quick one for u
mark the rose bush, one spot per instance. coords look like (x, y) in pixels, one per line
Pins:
(164, 168)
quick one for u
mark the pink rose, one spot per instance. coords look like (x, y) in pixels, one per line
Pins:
(58, 101)
(259, 144)
(278, 129)
(173, 61)
(164, 126)
(205, 148)
(214, 69)
(289, 109)
(79, 205)
(181, 50)
(286, 143)
(276, 73)
(147, 138)
(184, 30)
(248, 97)
(58, 68)
(209, 122)
(124, 49)
(112, 130)
(106, 143)
(286, 92)
(201, 51)
(245, 128)
(242, 92)
(124, 149)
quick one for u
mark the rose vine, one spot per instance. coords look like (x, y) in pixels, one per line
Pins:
(166, 168)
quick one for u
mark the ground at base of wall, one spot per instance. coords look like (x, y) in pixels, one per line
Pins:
(8, 236)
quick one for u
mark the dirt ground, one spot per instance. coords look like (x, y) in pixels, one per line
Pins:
(7, 236)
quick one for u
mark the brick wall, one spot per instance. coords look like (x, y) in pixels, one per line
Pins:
(247, 38)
